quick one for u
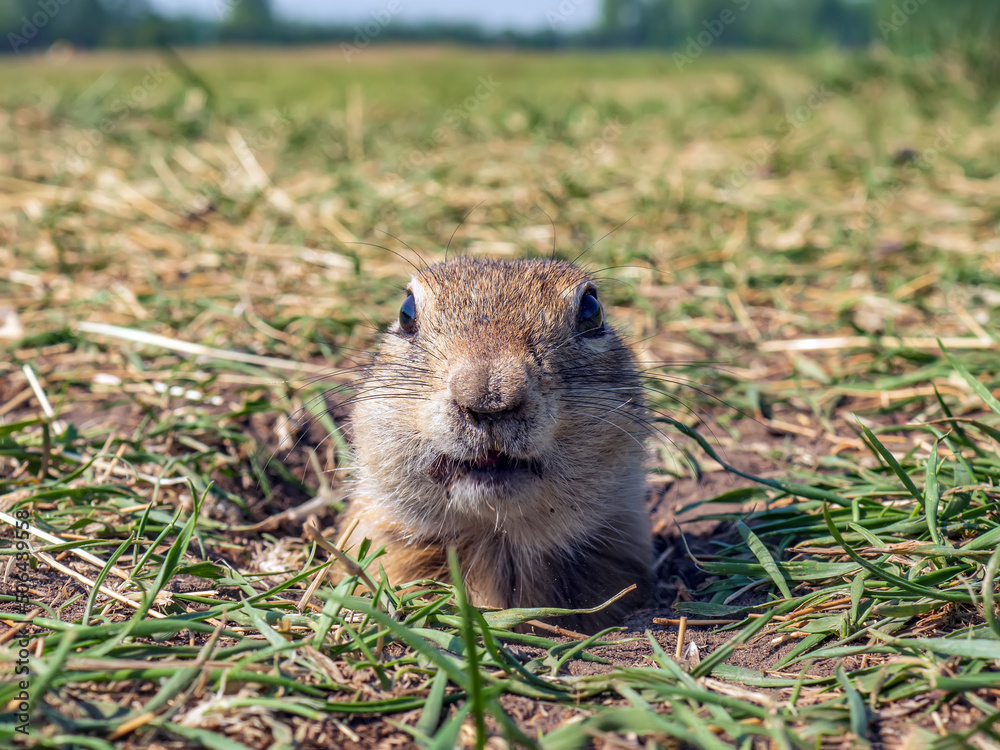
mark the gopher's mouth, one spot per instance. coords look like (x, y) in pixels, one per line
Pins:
(492, 467)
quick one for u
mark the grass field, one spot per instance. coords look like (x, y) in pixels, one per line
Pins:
(196, 250)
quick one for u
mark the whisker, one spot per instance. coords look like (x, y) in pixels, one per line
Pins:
(388, 250)
(455, 231)
(422, 260)
(573, 262)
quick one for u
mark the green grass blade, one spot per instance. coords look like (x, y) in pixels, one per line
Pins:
(431, 714)
(885, 575)
(980, 390)
(856, 705)
(205, 738)
(475, 681)
(99, 580)
(932, 495)
(989, 592)
(894, 465)
(764, 557)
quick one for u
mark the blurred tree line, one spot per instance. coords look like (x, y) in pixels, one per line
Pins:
(788, 24)
(969, 29)
(684, 26)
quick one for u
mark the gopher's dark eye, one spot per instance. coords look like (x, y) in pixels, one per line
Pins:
(408, 315)
(590, 316)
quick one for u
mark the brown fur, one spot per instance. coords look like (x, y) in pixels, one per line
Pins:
(497, 366)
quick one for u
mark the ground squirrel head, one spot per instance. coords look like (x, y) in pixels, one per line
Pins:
(501, 396)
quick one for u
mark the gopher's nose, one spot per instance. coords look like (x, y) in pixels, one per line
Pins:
(489, 390)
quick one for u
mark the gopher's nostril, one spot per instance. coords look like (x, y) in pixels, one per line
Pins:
(489, 390)
(480, 414)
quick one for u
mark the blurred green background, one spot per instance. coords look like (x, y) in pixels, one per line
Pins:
(919, 26)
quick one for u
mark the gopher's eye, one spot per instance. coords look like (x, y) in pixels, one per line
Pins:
(408, 315)
(590, 317)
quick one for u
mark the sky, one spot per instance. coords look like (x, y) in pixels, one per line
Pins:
(522, 15)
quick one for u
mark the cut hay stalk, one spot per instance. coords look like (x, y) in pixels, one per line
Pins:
(198, 350)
